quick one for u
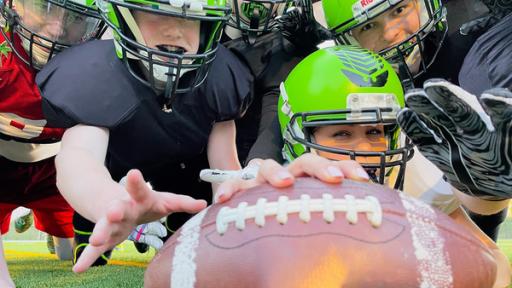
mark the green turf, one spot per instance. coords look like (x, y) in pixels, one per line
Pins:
(32, 265)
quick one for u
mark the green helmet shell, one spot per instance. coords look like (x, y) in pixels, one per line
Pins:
(338, 85)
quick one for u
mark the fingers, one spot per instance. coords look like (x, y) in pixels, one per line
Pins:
(352, 170)
(498, 105)
(326, 170)
(169, 203)
(97, 246)
(418, 101)
(269, 172)
(136, 186)
(272, 172)
(278, 176)
(460, 106)
(230, 187)
(156, 228)
(416, 129)
(152, 241)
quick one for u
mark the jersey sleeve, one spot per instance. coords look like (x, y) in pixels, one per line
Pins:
(488, 64)
(269, 144)
(87, 84)
(228, 88)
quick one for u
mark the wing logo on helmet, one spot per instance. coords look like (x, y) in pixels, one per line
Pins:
(365, 70)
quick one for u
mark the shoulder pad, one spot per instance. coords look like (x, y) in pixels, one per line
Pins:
(228, 87)
(88, 84)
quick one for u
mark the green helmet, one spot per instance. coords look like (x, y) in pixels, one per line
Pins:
(251, 18)
(165, 75)
(343, 85)
(413, 50)
(46, 27)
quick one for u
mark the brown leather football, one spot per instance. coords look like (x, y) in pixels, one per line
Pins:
(320, 235)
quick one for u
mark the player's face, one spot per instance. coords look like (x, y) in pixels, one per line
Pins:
(359, 138)
(389, 28)
(170, 34)
(54, 22)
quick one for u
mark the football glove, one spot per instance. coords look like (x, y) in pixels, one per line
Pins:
(497, 10)
(468, 138)
(148, 233)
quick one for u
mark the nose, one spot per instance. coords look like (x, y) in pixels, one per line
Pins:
(363, 146)
(53, 30)
(392, 33)
(174, 28)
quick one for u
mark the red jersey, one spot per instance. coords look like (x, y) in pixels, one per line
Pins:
(21, 115)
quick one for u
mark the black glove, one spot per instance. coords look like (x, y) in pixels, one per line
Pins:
(467, 138)
(497, 10)
(301, 29)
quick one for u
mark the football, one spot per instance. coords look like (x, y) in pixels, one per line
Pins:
(315, 234)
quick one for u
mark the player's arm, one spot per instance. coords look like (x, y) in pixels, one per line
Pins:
(481, 206)
(86, 184)
(222, 152)
(503, 275)
(82, 178)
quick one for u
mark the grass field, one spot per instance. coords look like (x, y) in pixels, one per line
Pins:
(31, 265)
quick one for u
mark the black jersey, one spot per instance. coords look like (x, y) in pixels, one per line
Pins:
(448, 61)
(89, 85)
(489, 62)
(270, 59)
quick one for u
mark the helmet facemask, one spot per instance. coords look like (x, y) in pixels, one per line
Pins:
(168, 67)
(251, 18)
(45, 28)
(407, 33)
(384, 157)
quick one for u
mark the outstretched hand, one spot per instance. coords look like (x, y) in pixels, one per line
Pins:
(141, 205)
(465, 136)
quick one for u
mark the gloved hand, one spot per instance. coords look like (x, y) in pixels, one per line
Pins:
(299, 26)
(497, 10)
(150, 234)
(468, 138)
(219, 176)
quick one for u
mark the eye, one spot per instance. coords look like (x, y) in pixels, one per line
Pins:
(400, 10)
(374, 132)
(368, 26)
(342, 134)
